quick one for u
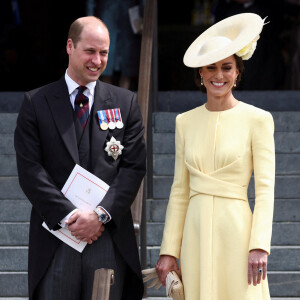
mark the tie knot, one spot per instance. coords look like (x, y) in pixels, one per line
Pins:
(81, 89)
(80, 98)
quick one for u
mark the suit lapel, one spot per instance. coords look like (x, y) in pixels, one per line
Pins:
(102, 101)
(59, 103)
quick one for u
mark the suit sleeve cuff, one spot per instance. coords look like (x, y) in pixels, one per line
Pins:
(62, 223)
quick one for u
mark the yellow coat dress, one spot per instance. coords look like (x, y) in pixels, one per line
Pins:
(209, 224)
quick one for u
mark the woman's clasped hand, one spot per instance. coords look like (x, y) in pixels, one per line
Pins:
(164, 265)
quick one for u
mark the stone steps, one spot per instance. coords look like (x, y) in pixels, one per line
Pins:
(8, 122)
(14, 211)
(14, 259)
(13, 284)
(14, 234)
(283, 258)
(284, 263)
(10, 189)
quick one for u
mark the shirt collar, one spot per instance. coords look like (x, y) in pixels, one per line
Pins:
(72, 85)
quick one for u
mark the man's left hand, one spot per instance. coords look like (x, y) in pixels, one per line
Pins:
(85, 226)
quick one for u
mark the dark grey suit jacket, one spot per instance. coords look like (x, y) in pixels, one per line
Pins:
(46, 148)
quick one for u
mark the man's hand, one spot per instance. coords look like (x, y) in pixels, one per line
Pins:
(85, 226)
(257, 260)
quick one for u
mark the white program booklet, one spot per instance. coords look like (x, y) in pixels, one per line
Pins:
(85, 191)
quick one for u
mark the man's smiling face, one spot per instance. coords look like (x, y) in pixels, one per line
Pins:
(88, 58)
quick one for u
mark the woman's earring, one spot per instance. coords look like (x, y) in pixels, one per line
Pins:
(235, 82)
(201, 80)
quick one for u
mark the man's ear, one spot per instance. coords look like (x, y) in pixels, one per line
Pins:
(69, 46)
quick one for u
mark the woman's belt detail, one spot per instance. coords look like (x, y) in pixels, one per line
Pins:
(201, 183)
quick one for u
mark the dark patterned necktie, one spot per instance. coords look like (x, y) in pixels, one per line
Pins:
(82, 106)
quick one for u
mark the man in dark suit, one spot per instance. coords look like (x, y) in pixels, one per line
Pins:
(57, 127)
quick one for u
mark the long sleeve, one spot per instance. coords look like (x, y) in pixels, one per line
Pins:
(264, 175)
(179, 199)
(37, 184)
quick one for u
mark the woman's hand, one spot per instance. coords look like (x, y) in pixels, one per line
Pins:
(164, 265)
(257, 260)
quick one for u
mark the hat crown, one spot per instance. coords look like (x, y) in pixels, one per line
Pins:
(214, 44)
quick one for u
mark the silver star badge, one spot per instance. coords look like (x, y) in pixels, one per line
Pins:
(114, 148)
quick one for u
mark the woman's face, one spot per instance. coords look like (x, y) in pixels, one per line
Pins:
(219, 78)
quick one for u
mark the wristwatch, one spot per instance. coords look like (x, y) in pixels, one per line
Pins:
(103, 217)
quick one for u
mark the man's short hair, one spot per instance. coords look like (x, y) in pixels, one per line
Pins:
(76, 29)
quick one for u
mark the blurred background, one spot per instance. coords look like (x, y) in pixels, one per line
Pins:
(33, 36)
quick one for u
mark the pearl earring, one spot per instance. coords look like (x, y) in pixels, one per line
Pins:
(202, 81)
(235, 82)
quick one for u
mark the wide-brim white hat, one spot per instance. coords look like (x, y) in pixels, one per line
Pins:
(234, 35)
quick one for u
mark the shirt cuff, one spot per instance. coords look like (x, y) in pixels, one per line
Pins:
(62, 223)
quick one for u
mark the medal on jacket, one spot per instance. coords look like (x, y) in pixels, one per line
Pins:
(114, 116)
(102, 119)
(114, 148)
(111, 123)
(119, 122)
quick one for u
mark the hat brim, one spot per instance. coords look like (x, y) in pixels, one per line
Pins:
(240, 29)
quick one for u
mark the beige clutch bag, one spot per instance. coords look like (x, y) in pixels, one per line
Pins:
(174, 286)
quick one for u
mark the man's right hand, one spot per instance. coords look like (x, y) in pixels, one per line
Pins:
(85, 226)
(164, 265)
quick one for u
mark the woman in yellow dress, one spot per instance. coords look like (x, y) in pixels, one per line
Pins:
(223, 248)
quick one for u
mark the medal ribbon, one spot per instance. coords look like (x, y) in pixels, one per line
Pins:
(113, 114)
(118, 112)
(108, 116)
(103, 116)
(99, 117)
